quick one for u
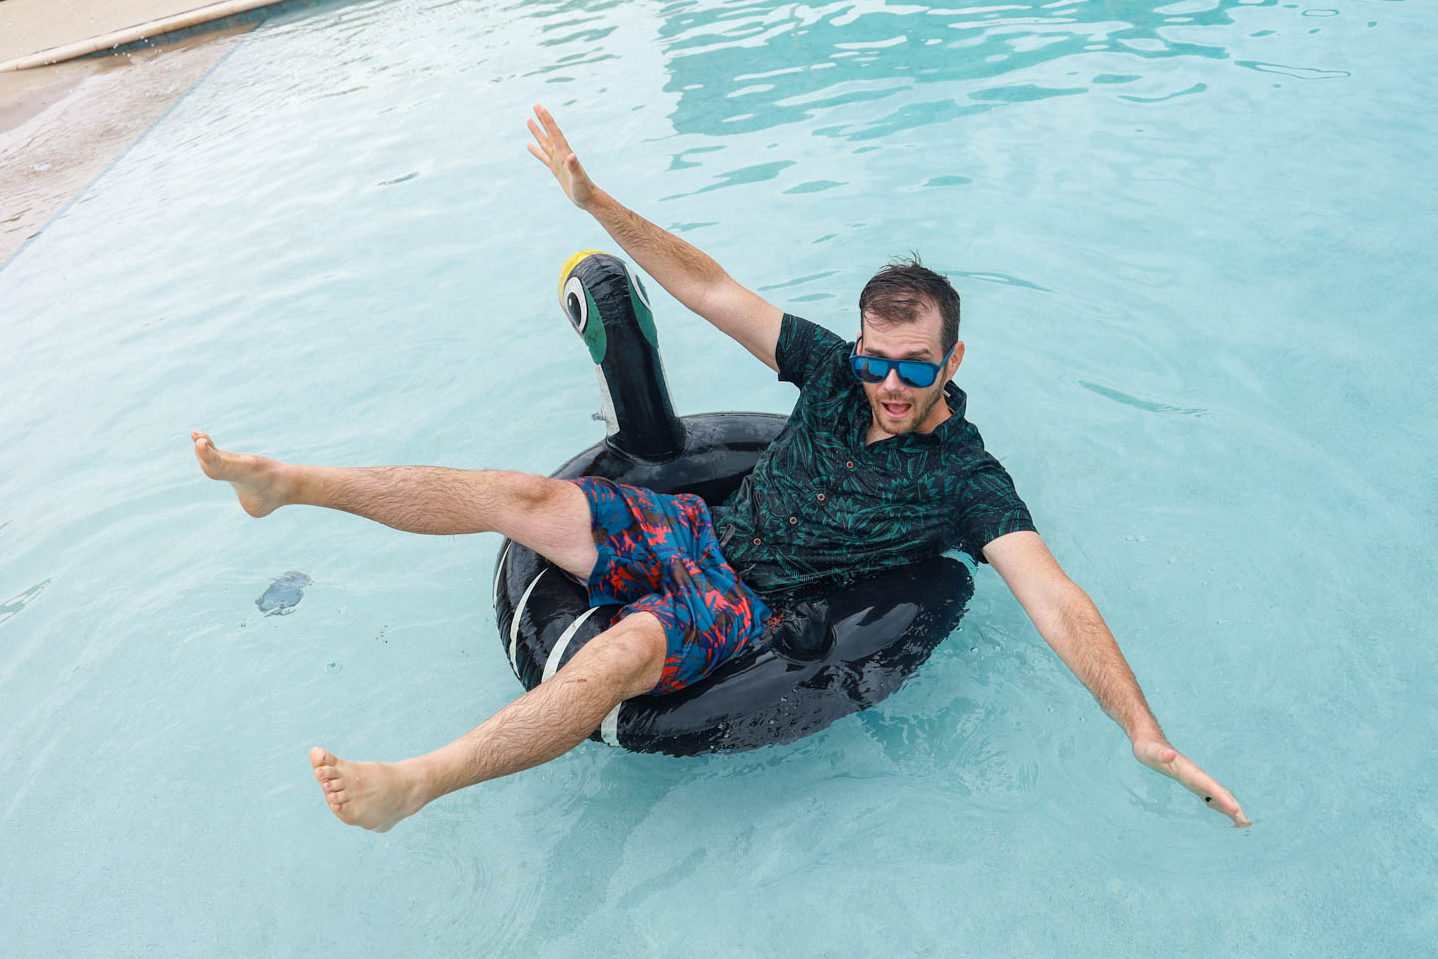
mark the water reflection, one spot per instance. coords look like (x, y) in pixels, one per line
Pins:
(829, 55)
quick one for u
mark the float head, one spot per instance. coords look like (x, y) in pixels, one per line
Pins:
(609, 309)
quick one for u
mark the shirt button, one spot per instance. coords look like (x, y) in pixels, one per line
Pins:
(793, 521)
(820, 497)
(849, 465)
(758, 541)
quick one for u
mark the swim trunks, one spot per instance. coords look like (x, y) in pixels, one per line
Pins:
(658, 554)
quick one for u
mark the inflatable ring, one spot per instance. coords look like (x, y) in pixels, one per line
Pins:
(821, 656)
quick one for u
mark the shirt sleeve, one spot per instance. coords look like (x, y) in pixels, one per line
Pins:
(804, 347)
(990, 508)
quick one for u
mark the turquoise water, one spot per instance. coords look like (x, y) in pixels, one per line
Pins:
(1196, 246)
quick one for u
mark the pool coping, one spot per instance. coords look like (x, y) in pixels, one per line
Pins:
(161, 30)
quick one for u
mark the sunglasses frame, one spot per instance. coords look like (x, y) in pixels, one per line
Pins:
(932, 369)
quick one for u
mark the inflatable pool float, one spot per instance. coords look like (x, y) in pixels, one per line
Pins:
(822, 655)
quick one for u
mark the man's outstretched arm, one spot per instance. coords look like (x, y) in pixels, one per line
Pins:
(1070, 623)
(690, 276)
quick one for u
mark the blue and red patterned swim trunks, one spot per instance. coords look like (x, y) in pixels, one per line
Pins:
(658, 554)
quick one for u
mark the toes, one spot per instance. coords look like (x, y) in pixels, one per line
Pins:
(206, 453)
(322, 757)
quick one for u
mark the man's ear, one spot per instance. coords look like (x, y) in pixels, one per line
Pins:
(956, 358)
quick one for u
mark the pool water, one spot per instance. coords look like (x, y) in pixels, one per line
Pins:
(1196, 247)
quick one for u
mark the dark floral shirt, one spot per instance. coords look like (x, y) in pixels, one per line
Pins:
(822, 506)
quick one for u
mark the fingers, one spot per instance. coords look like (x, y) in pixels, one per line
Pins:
(550, 127)
(1205, 787)
(1234, 811)
(1222, 800)
(542, 149)
(1159, 755)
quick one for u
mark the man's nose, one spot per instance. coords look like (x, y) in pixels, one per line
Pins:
(892, 381)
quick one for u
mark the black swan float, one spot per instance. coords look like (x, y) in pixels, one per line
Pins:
(822, 655)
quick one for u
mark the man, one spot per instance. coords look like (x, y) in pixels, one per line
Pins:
(862, 421)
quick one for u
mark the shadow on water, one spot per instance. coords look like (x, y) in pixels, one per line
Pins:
(622, 792)
(1148, 406)
(819, 59)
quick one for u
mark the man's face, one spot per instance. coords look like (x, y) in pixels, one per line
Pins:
(898, 407)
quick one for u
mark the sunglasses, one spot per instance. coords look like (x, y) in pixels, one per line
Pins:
(919, 374)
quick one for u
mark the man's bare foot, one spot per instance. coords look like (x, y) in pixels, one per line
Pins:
(372, 795)
(262, 484)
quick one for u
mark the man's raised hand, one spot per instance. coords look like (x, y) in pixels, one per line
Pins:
(551, 149)
(1159, 755)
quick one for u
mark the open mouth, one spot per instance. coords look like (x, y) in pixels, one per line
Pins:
(895, 411)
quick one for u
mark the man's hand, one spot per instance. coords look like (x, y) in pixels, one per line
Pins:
(1159, 755)
(688, 274)
(551, 149)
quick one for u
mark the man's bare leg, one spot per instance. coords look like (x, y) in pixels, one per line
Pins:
(549, 516)
(546, 722)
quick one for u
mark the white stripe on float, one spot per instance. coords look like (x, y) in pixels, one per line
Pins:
(499, 571)
(551, 665)
(609, 729)
(514, 623)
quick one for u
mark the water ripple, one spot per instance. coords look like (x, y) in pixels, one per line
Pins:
(798, 281)
(748, 174)
(12, 606)
(834, 55)
(1196, 88)
(1298, 73)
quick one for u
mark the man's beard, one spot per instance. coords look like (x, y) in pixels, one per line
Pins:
(919, 409)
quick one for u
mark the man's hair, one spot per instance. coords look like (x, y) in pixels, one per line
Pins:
(899, 292)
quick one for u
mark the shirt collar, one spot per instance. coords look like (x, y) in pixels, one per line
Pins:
(950, 429)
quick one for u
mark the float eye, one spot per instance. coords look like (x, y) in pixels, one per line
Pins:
(638, 287)
(576, 304)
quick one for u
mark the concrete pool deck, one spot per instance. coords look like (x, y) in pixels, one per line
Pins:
(67, 110)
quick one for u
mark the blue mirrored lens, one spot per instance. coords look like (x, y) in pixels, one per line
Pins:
(917, 374)
(870, 369)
